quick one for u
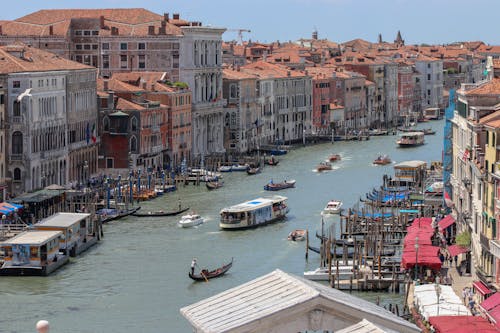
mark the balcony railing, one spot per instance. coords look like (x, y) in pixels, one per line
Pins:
(485, 241)
(16, 157)
(495, 248)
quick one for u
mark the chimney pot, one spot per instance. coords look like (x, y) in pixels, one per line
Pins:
(1, 32)
(165, 17)
(51, 30)
(288, 73)
(176, 16)
(106, 85)
(101, 21)
(151, 30)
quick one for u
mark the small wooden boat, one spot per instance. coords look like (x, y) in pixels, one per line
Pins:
(279, 186)
(205, 274)
(334, 158)
(271, 161)
(382, 160)
(225, 168)
(297, 235)
(324, 166)
(160, 213)
(428, 131)
(333, 207)
(214, 184)
(107, 215)
(190, 220)
(253, 171)
(240, 167)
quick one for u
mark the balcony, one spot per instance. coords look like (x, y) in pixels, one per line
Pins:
(485, 242)
(495, 248)
(16, 157)
(156, 149)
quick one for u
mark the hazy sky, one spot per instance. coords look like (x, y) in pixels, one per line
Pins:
(420, 21)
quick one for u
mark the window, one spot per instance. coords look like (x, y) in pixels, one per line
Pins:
(428, 77)
(123, 61)
(142, 61)
(105, 46)
(16, 84)
(78, 32)
(86, 47)
(105, 61)
(428, 65)
(86, 33)
(141, 46)
(95, 33)
(133, 144)
(16, 109)
(133, 124)
(95, 46)
(2, 101)
(428, 92)
(123, 46)
(109, 163)
(105, 124)
(17, 143)
(78, 46)
(17, 174)
(233, 93)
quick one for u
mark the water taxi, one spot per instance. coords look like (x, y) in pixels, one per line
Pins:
(382, 160)
(190, 220)
(33, 253)
(254, 213)
(324, 166)
(78, 233)
(334, 158)
(333, 207)
(411, 139)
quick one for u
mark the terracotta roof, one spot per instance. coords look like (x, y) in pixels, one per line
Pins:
(491, 120)
(123, 104)
(19, 58)
(490, 88)
(129, 21)
(153, 81)
(265, 70)
(234, 74)
(117, 85)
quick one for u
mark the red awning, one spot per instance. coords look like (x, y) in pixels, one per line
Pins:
(461, 324)
(481, 288)
(491, 302)
(494, 314)
(455, 250)
(446, 222)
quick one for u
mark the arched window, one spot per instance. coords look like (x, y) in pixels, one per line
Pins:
(233, 91)
(17, 143)
(16, 109)
(133, 124)
(133, 144)
(105, 124)
(17, 174)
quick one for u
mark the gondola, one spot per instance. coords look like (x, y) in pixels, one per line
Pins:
(205, 274)
(337, 253)
(213, 185)
(160, 213)
(108, 215)
(253, 171)
(279, 186)
(272, 161)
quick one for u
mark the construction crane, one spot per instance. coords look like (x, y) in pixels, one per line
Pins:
(240, 34)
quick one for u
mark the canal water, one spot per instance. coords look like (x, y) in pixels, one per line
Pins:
(136, 280)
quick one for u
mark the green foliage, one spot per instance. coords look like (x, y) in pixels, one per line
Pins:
(463, 239)
(182, 85)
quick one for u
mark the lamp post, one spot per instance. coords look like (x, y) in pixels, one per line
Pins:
(438, 293)
(163, 180)
(119, 188)
(85, 171)
(416, 257)
(108, 194)
(130, 187)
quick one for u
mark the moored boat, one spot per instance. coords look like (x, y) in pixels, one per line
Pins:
(160, 213)
(225, 168)
(334, 158)
(190, 220)
(213, 185)
(271, 186)
(324, 166)
(323, 273)
(382, 160)
(205, 274)
(428, 131)
(106, 215)
(297, 235)
(333, 207)
(411, 139)
(271, 161)
(240, 167)
(253, 171)
(254, 213)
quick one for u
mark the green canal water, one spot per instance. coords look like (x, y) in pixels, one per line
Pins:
(136, 279)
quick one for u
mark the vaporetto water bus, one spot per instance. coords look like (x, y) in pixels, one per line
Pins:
(254, 213)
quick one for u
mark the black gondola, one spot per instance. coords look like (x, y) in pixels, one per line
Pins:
(205, 274)
(213, 185)
(253, 171)
(108, 215)
(160, 213)
(272, 161)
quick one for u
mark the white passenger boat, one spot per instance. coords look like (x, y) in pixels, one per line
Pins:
(240, 167)
(190, 220)
(254, 213)
(411, 139)
(333, 207)
(322, 274)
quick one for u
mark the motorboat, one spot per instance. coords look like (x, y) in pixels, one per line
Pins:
(225, 168)
(324, 166)
(323, 273)
(240, 167)
(297, 235)
(382, 160)
(271, 161)
(334, 158)
(253, 171)
(271, 186)
(333, 207)
(190, 220)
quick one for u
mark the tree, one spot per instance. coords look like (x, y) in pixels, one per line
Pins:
(463, 239)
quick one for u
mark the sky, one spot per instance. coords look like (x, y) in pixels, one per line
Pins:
(420, 21)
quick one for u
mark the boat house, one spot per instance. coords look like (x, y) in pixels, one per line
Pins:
(77, 231)
(32, 253)
(410, 173)
(281, 302)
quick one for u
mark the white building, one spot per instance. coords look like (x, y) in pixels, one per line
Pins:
(201, 69)
(431, 83)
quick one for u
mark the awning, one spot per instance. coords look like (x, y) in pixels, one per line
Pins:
(455, 250)
(481, 288)
(461, 324)
(491, 302)
(446, 222)
(494, 314)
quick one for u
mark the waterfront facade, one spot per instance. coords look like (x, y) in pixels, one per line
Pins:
(51, 109)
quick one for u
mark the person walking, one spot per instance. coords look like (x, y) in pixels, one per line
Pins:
(456, 261)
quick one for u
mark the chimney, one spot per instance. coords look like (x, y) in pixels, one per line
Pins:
(111, 100)
(114, 31)
(101, 21)
(176, 16)
(151, 30)
(1, 32)
(144, 85)
(163, 24)
(166, 17)
(106, 85)
(162, 30)
(51, 30)
(288, 73)
(315, 35)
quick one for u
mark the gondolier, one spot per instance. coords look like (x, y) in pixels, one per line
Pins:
(193, 264)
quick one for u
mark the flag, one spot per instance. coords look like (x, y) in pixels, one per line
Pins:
(87, 133)
(465, 156)
(447, 199)
(94, 134)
